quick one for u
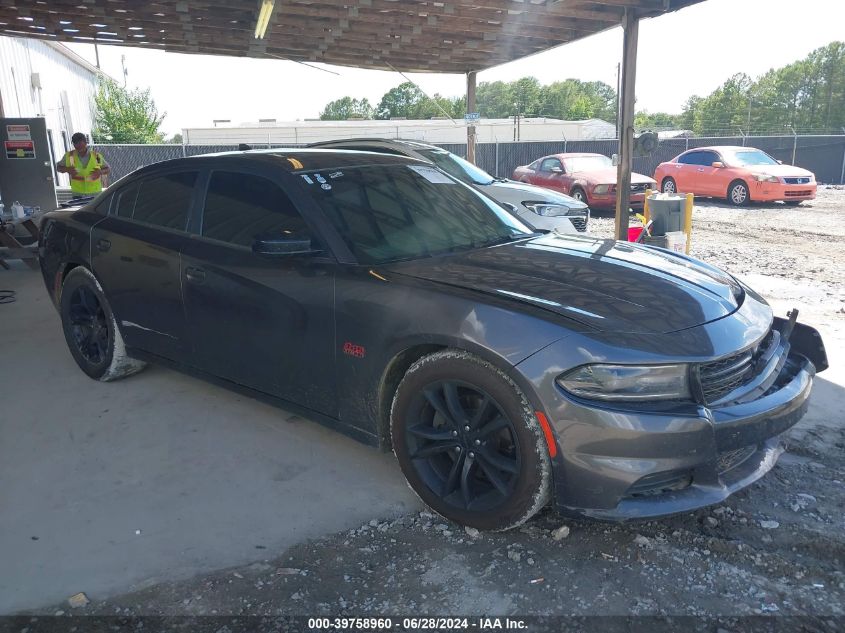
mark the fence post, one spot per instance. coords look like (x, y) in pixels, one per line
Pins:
(497, 159)
(842, 175)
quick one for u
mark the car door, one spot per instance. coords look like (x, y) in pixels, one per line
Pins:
(685, 172)
(706, 177)
(551, 179)
(135, 256)
(263, 322)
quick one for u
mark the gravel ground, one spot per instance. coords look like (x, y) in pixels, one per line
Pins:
(777, 548)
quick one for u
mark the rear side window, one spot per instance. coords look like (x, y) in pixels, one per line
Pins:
(165, 201)
(239, 208)
(125, 202)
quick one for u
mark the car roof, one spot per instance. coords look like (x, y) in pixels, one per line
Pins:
(577, 154)
(292, 160)
(397, 143)
(719, 148)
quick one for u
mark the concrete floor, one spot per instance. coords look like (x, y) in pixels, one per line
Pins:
(109, 487)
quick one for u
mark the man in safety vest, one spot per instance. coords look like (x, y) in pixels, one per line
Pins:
(86, 168)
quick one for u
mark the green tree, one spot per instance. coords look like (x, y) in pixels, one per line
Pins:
(403, 101)
(347, 108)
(645, 120)
(125, 116)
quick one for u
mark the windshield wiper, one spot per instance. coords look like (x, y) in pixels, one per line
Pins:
(506, 239)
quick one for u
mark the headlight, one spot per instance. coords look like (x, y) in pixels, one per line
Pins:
(551, 210)
(766, 178)
(627, 382)
(603, 189)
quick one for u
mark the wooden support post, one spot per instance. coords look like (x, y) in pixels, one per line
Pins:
(631, 28)
(471, 108)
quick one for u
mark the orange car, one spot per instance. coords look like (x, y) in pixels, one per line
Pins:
(740, 174)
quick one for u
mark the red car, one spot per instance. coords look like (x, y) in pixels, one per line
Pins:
(590, 178)
(739, 174)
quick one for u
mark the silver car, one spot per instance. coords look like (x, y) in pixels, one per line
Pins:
(540, 207)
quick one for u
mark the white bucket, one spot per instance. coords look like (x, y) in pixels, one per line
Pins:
(676, 241)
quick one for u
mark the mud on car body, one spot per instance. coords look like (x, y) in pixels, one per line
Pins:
(505, 368)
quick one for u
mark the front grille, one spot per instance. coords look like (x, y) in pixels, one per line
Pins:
(580, 224)
(659, 483)
(729, 460)
(797, 194)
(723, 376)
(796, 181)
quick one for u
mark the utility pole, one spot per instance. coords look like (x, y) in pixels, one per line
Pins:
(123, 65)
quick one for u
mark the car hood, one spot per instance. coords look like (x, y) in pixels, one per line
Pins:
(606, 285)
(519, 192)
(608, 177)
(781, 171)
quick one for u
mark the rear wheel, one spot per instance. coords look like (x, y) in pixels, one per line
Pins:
(90, 329)
(468, 442)
(669, 186)
(738, 194)
(792, 203)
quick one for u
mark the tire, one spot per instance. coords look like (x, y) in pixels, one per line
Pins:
(91, 330)
(738, 193)
(792, 203)
(579, 195)
(669, 186)
(494, 476)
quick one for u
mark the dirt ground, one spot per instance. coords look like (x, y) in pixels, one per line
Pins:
(777, 548)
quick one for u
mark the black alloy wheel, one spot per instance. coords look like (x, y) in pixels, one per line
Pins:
(469, 443)
(462, 445)
(89, 326)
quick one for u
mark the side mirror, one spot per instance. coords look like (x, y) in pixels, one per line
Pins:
(780, 162)
(718, 164)
(557, 170)
(615, 160)
(282, 246)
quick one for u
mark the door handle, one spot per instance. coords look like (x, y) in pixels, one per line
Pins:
(195, 275)
(103, 246)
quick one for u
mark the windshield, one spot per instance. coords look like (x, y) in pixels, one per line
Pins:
(458, 167)
(394, 212)
(745, 158)
(587, 163)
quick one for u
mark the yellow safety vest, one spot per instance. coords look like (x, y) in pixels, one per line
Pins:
(83, 183)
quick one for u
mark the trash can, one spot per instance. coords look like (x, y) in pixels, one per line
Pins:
(666, 212)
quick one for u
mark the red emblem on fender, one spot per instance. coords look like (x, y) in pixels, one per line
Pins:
(350, 349)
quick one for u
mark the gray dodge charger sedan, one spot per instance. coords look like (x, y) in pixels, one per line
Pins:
(505, 368)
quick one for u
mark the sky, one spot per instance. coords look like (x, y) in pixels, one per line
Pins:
(692, 51)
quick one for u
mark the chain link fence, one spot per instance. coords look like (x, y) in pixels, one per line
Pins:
(822, 155)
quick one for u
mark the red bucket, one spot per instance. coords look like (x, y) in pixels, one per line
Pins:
(634, 233)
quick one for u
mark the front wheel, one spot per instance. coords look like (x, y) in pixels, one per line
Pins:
(738, 194)
(792, 203)
(90, 329)
(669, 186)
(579, 195)
(468, 442)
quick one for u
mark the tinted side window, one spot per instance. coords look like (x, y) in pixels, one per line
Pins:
(699, 158)
(549, 163)
(125, 202)
(166, 200)
(535, 165)
(103, 207)
(240, 207)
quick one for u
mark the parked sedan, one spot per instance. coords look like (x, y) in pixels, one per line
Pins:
(739, 174)
(587, 177)
(504, 368)
(541, 208)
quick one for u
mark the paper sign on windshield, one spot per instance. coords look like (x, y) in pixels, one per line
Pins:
(431, 174)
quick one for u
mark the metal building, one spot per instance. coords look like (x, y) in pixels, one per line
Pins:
(43, 78)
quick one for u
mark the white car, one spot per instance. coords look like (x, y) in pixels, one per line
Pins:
(538, 206)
